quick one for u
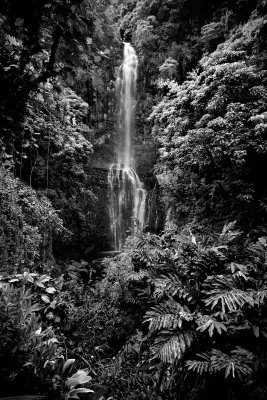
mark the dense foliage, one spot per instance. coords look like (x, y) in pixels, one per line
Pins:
(180, 314)
(212, 130)
(203, 301)
(57, 101)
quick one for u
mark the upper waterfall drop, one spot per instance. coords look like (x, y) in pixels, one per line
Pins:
(127, 196)
(126, 87)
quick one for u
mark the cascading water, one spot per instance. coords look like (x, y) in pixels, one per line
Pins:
(127, 196)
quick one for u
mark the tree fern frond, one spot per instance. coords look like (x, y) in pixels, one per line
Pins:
(220, 281)
(218, 251)
(259, 249)
(168, 315)
(170, 348)
(210, 323)
(239, 363)
(228, 227)
(238, 275)
(131, 299)
(239, 271)
(199, 366)
(229, 233)
(137, 276)
(235, 267)
(234, 365)
(225, 294)
(241, 352)
(228, 300)
(13, 41)
(171, 286)
(260, 295)
(205, 261)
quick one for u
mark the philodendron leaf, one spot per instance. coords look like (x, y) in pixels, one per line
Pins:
(67, 367)
(79, 378)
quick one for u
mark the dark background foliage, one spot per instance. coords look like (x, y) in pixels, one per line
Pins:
(180, 313)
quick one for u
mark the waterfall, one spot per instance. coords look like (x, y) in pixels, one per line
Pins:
(127, 196)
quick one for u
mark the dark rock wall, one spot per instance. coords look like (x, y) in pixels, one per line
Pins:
(99, 239)
(145, 159)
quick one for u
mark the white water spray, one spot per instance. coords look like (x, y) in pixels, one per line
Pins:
(127, 196)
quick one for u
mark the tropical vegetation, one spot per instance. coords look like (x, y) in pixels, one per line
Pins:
(180, 313)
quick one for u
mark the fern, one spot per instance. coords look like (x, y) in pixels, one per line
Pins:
(168, 315)
(13, 41)
(171, 286)
(260, 295)
(200, 366)
(209, 323)
(258, 253)
(259, 250)
(237, 267)
(218, 251)
(229, 233)
(230, 300)
(226, 295)
(233, 365)
(238, 364)
(137, 276)
(130, 299)
(170, 348)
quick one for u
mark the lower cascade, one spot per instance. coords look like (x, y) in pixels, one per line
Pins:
(127, 195)
(127, 203)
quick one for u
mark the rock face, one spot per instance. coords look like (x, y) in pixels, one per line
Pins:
(145, 157)
(100, 239)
